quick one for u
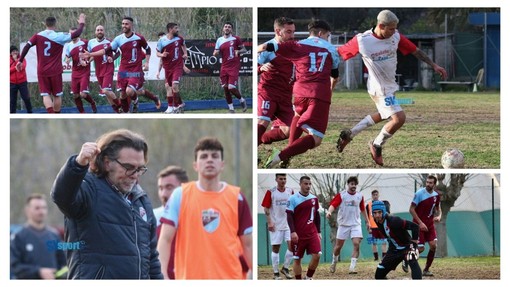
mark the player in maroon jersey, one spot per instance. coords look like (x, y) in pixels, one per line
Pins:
(80, 75)
(316, 62)
(130, 77)
(231, 49)
(49, 45)
(305, 226)
(173, 52)
(426, 209)
(104, 67)
(275, 87)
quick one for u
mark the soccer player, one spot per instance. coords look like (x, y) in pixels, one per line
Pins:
(130, 77)
(402, 245)
(351, 206)
(210, 221)
(105, 68)
(275, 204)
(80, 75)
(376, 236)
(49, 45)
(231, 48)
(378, 48)
(426, 209)
(169, 179)
(316, 61)
(173, 52)
(31, 254)
(305, 226)
(275, 87)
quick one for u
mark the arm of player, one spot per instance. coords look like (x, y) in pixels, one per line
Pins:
(412, 210)
(241, 51)
(420, 55)
(147, 58)
(438, 213)
(184, 52)
(166, 237)
(290, 221)
(24, 52)
(216, 53)
(270, 223)
(247, 242)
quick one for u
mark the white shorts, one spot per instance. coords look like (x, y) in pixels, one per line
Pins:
(278, 236)
(345, 232)
(386, 105)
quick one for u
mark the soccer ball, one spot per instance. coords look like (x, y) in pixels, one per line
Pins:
(452, 158)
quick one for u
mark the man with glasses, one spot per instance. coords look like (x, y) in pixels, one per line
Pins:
(110, 227)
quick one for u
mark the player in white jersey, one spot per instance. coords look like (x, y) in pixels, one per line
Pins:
(378, 48)
(351, 206)
(275, 205)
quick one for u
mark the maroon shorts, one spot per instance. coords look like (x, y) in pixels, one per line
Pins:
(51, 85)
(79, 85)
(105, 82)
(273, 110)
(313, 114)
(229, 78)
(173, 76)
(428, 236)
(311, 245)
(134, 80)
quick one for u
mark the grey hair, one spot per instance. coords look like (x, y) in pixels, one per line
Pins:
(387, 17)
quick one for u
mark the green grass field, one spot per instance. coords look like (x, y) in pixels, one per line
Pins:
(435, 122)
(443, 268)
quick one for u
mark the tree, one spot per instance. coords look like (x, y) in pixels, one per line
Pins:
(449, 188)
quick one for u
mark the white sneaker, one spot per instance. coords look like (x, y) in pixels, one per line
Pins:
(169, 110)
(308, 278)
(180, 108)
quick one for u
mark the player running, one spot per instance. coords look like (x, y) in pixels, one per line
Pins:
(275, 87)
(80, 75)
(426, 209)
(378, 48)
(231, 48)
(316, 62)
(173, 52)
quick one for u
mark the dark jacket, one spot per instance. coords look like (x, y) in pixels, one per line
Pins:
(396, 230)
(114, 239)
(32, 249)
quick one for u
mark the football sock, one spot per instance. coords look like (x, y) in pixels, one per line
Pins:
(382, 137)
(430, 258)
(260, 130)
(228, 96)
(383, 254)
(363, 124)
(295, 132)
(230, 106)
(177, 100)
(376, 255)
(125, 104)
(299, 146)
(273, 135)
(353, 263)
(151, 96)
(288, 258)
(79, 105)
(50, 110)
(335, 258)
(310, 272)
(236, 93)
(298, 276)
(275, 259)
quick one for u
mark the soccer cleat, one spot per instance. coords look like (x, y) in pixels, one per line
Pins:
(376, 152)
(180, 108)
(94, 108)
(231, 111)
(284, 163)
(308, 278)
(135, 107)
(427, 273)
(352, 271)
(244, 105)
(277, 276)
(343, 139)
(332, 267)
(169, 110)
(405, 266)
(158, 104)
(285, 271)
(273, 159)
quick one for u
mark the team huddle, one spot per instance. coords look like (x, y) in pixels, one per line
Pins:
(134, 52)
(295, 218)
(302, 74)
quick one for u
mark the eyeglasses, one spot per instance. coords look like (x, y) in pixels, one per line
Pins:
(131, 170)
